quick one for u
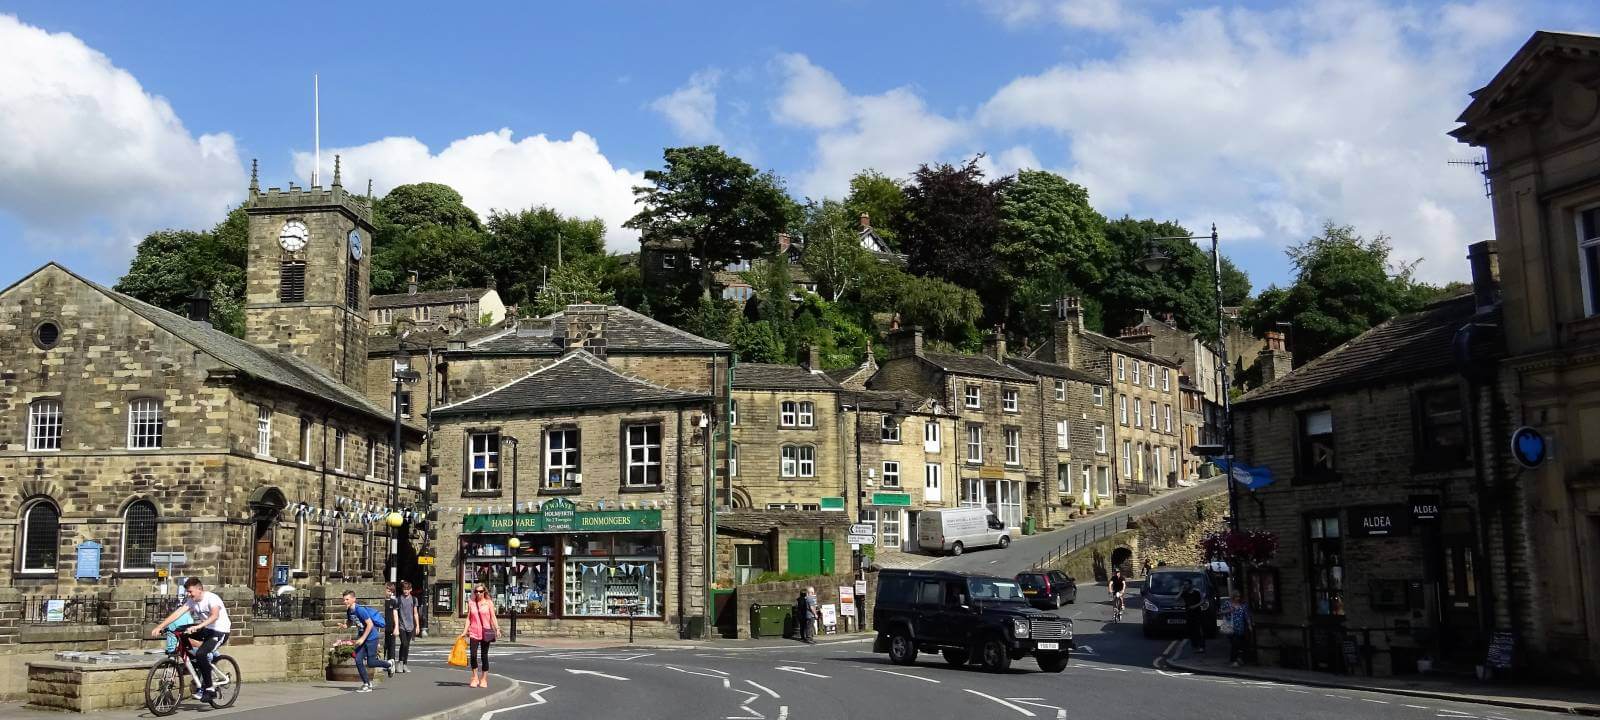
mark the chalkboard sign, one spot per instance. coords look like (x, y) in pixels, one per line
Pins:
(1501, 646)
(1352, 654)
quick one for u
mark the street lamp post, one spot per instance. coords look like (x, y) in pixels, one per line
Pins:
(403, 375)
(515, 542)
(1154, 262)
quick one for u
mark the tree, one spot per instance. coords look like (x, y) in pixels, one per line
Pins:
(523, 245)
(1051, 243)
(952, 219)
(426, 228)
(576, 282)
(833, 253)
(169, 265)
(417, 204)
(882, 199)
(721, 206)
(943, 310)
(1186, 287)
(1344, 285)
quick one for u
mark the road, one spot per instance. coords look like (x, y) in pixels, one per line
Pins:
(1114, 676)
(1025, 550)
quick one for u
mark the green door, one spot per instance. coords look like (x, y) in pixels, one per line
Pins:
(810, 557)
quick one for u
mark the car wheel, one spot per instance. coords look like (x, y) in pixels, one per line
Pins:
(995, 656)
(957, 658)
(1058, 602)
(1052, 662)
(957, 548)
(1073, 598)
(902, 651)
(1005, 541)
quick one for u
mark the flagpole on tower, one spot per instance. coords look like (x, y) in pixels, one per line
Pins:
(316, 128)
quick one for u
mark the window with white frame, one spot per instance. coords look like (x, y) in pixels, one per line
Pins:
(869, 516)
(263, 431)
(930, 436)
(644, 454)
(783, 506)
(975, 443)
(797, 461)
(41, 537)
(1063, 435)
(891, 474)
(733, 412)
(144, 424)
(974, 396)
(932, 482)
(1150, 375)
(788, 413)
(733, 460)
(138, 536)
(1064, 478)
(1122, 370)
(1166, 417)
(336, 553)
(1152, 414)
(305, 441)
(44, 425)
(372, 456)
(1136, 364)
(1155, 456)
(1061, 389)
(483, 472)
(808, 413)
(1127, 458)
(340, 439)
(561, 458)
(1085, 479)
(1122, 409)
(1104, 489)
(891, 528)
(1100, 437)
(890, 430)
(1008, 400)
(1099, 394)
(808, 461)
(1013, 439)
(1138, 413)
(1589, 259)
(1166, 380)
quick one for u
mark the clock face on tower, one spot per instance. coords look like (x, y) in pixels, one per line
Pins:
(293, 236)
(355, 244)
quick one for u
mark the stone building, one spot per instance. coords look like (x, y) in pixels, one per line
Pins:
(789, 435)
(1074, 427)
(905, 448)
(1538, 121)
(1389, 496)
(454, 309)
(1200, 363)
(131, 427)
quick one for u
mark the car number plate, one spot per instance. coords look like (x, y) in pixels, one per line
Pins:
(1176, 621)
(1049, 646)
(1030, 592)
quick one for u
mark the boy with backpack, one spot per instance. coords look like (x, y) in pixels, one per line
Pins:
(371, 623)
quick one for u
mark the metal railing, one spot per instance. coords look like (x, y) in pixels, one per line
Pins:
(1081, 539)
(157, 607)
(285, 607)
(70, 610)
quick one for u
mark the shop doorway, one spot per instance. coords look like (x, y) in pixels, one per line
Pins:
(1461, 634)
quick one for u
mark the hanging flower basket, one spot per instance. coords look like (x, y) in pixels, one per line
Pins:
(1251, 546)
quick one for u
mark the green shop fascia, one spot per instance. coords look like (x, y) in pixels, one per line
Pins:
(563, 563)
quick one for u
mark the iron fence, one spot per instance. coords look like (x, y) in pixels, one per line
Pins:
(1081, 539)
(157, 607)
(70, 610)
(285, 607)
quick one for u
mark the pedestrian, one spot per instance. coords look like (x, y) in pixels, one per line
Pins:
(808, 614)
(1194, 607)
(482, 630)
(420, 596)
(1239, 626)
(1146, 570)
(391, 613)
(406, 622)
(370, 622)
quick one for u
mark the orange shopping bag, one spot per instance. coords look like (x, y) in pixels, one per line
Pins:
(458, 654)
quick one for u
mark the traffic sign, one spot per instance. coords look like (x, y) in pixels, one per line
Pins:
(1529, 447)
(424, 559)
(169, 558)
(854, 539)
(861, 529)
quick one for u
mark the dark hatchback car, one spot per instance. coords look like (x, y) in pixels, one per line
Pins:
(1163, 608)
(1048, 589)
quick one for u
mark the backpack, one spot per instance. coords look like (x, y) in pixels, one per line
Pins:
(363, 612)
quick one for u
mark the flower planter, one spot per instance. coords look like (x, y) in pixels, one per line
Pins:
(344, 672)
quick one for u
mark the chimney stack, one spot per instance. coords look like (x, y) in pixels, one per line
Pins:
(995, 344)
(1275, 361)
(586, 328)
(813, 361)
(905, 342)
(1484, 257)
(1067, 329)
(411, 287)
(866, 221)
(200, 307)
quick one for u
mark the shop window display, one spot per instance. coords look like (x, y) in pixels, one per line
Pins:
(606, 575)
(517, 583)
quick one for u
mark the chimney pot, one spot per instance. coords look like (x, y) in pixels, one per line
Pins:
(866, 221)
(200, 307)
(411, 287)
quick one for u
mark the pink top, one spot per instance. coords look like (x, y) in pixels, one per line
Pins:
(480, 616)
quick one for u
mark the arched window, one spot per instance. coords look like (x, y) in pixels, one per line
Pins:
(44, 425)
(138, 535)
(144, 424)
(41, 537)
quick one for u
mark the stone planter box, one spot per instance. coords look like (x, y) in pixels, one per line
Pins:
(346, 672)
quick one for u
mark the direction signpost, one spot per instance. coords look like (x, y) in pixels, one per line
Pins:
(168, 559)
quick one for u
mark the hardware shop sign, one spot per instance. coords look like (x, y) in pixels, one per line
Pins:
(600, 521)
(1380, 520)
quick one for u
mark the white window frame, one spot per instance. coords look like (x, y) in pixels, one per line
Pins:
(1013, 441)
(891, 474)
(733, 460)
(789, 461)
(1150, 376)
(808, 414)
(1088, 478)
(305, 441)
(1136, 365)
(299, 543)
(1127, 458)
(1122, 409)
(46, 427)
(263, 431)
(1152, 415)
(931, 436)
(1166, 380)
(808, 460)
(569, 462)
(1155, 456)
(145, 424)
(889, 429)
(1100, 438)
(975, 444)
(733, 412)
(1063, 435)
(1166, 412)
(783, 506)
(788, 413)
(1122, 369)
(486, 479)
(891, 528)
(1061, 390)
(650, 455)
(22, 539)
(335, 557)
(973, 396)
(144, 564)
(340, 440)
(932, 482)
(1009, 400)
(1138, 413)
(1064, 479)
(372, 456)
(1099, 394)
(1588, 237)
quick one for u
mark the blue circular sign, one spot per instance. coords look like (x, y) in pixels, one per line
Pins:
(1529, 447)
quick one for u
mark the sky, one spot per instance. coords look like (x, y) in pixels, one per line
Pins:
(1266, 118)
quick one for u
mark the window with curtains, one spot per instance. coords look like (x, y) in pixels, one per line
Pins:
(138, 535)
(41, 537)
(1061, 389)
(144, 424)
(44, 425)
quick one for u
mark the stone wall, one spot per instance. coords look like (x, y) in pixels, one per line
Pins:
(787, 592)
(761, 438)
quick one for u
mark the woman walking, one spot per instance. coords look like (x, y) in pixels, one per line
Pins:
(1239, 626)
(482, 629)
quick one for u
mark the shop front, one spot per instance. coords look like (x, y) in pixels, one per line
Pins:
(561, 563)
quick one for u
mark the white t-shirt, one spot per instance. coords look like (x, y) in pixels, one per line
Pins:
(207, 604)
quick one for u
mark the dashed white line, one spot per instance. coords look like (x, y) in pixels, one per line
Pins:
(1025, 712)
(1370, 700)
(1417, 707)
(904, 675)
(799, 671)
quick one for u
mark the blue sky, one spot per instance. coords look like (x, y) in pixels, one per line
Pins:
(1266, 118)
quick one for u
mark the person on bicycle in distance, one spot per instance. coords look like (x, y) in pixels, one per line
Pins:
(206, 635)
(1117, 587)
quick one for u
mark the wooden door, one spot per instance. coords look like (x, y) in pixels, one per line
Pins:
(263, 564)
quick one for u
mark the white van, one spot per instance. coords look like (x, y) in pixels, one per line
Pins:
(953, 530)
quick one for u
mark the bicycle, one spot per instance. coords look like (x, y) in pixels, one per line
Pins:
(1116, 608)
(164, 686)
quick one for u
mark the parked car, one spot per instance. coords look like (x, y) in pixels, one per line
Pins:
(1048, 589)
(965, 617)
(956, 530)
(1163, 608)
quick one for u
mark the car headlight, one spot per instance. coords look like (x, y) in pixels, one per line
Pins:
(1019, 627)
(1150, 606)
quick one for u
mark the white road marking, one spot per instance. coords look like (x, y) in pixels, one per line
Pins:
(1007, 703)
(764, 689)
(1417, 707)
(537, 695)
(904, 675)
(1301, 692)
(783, 712)
(798, 671)
(1341, 697)
(595, 673)
(1084, 649)
(1370, 700)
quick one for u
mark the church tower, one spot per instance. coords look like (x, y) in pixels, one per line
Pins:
(307, 280)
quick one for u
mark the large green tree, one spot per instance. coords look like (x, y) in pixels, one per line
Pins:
(1051, 243)
(951, 222)
(526, 246)
(833, 253)
(580, 281)
(1186, 287)
(882, 199)
(170, 265)
(1344, 284)
(944, 310)
(426, 228)
(720, 205)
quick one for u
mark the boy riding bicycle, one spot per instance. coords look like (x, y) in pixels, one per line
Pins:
(204, 636)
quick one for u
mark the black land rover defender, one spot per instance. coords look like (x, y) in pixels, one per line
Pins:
(965, 617)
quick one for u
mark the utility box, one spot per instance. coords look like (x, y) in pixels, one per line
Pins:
(770, 621)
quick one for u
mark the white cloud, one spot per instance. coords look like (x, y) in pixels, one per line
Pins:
(891, 132)
(692, 109)
(1272, 122)
(89, 157)
(493, 170)
(1102, 15)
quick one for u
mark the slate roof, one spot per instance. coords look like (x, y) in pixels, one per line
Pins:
(431, 297)
(768, 376)
(577, 380)
(1407, 346)
(625, 331)
(434, 337)
(262, 364)
(1110, 343)
(894, 401)
(1047, 369)
(979, 365)
(759, 522)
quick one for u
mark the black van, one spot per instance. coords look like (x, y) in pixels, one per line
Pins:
(1163, 608)
(965, 617)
